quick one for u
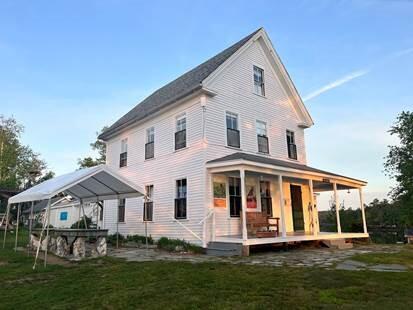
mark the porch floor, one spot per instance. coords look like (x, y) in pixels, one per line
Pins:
(291, 237)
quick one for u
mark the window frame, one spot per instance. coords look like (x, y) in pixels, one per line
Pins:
(236, 199)
(148, 203)
(179, 130)
(150, 143)
(123, 207)
(259, 84)
(65, 218)
(262, 135)
(181, 199)
(291, 145)
(123, 155)
(230, 129)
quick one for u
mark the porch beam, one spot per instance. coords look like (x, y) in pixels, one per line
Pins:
(313, 211)
(363, 215)
(337, 207)
(243, 205)
(282, 206)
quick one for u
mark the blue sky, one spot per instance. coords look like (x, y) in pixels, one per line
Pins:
(67, 68)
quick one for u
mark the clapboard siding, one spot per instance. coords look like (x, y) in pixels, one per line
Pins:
(162, 171)
(235, 93)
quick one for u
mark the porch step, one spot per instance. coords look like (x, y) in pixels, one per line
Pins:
(337, 244)
(224, 249)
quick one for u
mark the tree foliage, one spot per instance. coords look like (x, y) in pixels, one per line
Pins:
(97, 146)
(399, 165)
(20, 166)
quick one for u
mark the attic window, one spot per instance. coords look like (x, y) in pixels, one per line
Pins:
(259, 88)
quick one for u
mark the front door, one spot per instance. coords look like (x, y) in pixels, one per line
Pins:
(297, 207)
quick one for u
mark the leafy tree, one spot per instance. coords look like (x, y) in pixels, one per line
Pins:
(98, 146)
(20, 166)
(399, 165)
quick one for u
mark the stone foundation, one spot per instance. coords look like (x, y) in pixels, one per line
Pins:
(79, 248)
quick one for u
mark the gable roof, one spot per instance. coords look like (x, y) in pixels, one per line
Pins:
(179, 88)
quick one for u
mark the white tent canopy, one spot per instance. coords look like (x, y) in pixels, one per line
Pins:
(87, 185)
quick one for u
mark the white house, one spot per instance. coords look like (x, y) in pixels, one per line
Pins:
(221, 154)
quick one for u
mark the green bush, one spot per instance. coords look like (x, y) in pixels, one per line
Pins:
(139, 239)
(177, 245)
(111, 239)
(81, 223)
(40, 225)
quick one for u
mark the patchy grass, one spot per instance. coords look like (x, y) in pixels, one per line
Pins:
(404, 257)
(115, 284)
(177, 245)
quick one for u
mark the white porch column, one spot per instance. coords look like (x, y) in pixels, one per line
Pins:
(310, 184)
(282, 206)
(362, 210)
(337, 207)
(243, 204)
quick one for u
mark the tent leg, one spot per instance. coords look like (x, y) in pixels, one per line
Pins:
(17, 227)
(6, 224)
(47, 233)
(84, 215)
(40, 242)
(30, 225)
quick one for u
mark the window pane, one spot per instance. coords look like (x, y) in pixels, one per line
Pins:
(259, 81)
(232, 121)
(181, 123)
(124, 146)
(150, 135)
(261, 128)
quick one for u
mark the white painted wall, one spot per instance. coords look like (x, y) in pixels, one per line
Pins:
(72, 214)
(234, 88)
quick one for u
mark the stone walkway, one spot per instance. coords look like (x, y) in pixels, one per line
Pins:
(303, 257)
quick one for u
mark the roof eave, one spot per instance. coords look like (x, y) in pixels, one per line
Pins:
(200, 89)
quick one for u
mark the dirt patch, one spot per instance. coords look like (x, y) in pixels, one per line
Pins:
(51, 259)
(3, 263)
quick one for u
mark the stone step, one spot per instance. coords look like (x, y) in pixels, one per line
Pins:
(224, 249)
(337, 244)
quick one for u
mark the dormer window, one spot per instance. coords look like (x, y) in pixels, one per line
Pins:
(259, 88)
(123, 157)
(291, 146)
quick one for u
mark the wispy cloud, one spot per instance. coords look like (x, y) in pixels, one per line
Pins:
(354, 75)
(336, 83)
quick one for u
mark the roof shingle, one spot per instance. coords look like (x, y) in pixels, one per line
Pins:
(179, 88)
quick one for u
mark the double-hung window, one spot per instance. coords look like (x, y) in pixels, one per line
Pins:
(180, 199)
(150, 143)
(291, 146)
(259, 81)
(266, 201)
(233, 135)
(148, 204)
(121, 210)
(180, 132)
(262, 137)
(234, 197)
(123, 157)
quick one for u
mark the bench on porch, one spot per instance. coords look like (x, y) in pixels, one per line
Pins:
(261, 225)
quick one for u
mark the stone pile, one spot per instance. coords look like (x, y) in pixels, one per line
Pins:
(81, 247)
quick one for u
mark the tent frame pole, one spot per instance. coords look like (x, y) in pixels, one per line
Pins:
(17, 226)
(30, 225)
(40, 241)
(47, 232)
(6, 224)
(84, 214)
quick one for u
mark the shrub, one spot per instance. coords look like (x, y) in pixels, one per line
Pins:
(40, 225)
(111, 239)
(177, 245)
(81, 223)
(139, 239)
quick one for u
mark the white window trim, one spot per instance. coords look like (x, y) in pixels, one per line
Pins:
(187, 200)
(239, 128)
(263, 80)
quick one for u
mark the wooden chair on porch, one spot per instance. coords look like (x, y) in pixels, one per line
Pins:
(261, 225)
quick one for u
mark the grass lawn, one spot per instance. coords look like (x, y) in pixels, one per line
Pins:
(114, 284)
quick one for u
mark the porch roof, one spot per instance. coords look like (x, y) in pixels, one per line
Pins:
(244, 158)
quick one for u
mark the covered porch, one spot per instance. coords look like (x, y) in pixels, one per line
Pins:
(257, 200)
